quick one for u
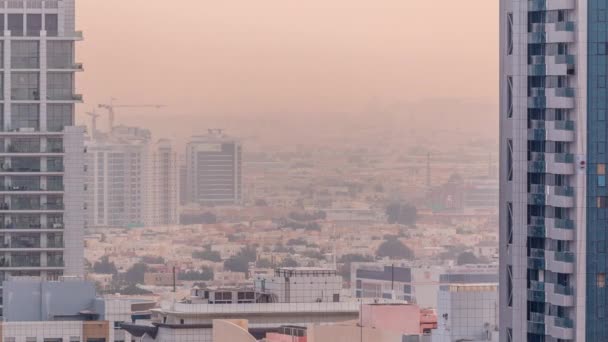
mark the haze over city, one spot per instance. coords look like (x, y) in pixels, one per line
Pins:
(234, 64)
(303, 171)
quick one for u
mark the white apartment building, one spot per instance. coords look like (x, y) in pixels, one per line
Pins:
(132, 181)
(41, 152)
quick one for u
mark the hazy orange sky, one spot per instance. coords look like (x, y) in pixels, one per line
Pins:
(246, 57)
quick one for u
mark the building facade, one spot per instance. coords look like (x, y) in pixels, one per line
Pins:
(41, 151)
(132, 181)
(553, 146)
(300, 285)
(214, 169)
(467, 306)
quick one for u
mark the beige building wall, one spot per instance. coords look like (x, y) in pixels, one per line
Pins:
(349, 333)
(231, 331)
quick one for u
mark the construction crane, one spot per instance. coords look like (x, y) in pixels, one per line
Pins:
(94, 115)
(110, 107)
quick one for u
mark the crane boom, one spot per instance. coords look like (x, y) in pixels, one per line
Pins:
(111, 113)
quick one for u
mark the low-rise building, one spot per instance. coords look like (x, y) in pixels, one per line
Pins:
(468, 305)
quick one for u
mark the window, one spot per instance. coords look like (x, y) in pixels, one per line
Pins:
(59, 86)
(601, 169)
(59, 116)
(25, 54)
(25, 116)
(51, 25)
(60, 54)
(510, 285)
(601, 181)
(15, 24)
(602, 202)
(509, 335)
(509, 160)
(510, 222)
(509, 97)
(600, 280)
(34, 24)
(509, 33)
(25, 86)
(30, 339)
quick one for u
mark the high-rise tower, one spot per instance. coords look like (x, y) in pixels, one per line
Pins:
(553, 145)
(41, 152)
(214, 169)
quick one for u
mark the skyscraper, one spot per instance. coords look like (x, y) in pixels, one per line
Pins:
(132, 181)
(214, 164)
(41, 151)
(553, 145)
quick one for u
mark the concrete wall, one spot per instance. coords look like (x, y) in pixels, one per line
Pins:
(350, 333)
(403, 319)
(231, 331)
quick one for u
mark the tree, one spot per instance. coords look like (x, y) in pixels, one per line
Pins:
(150, 259)
(207, 254)
(400, 213)
(297, 242)
(289, 262)
(466, 258)
(135, 274)
(263, 263)
(394, 249)
(240, 262)
(104, 266)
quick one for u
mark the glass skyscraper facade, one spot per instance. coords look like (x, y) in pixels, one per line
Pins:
(553, 196)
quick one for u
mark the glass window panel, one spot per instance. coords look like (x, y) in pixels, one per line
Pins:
(25, 117)
(60, 54)
(59, 86)
(34, 24)
(25, 54)
(25, 86)
(59, 116)
(15, 24)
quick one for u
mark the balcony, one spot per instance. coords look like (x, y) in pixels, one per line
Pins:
(560, 163)
(32, 207)
(560, 131)
(560, 327)
(550, 5)
(560, 229)
(560, 262)
(559, 98)
(536, 292)
(536, 323)
(536, 259)
(560, 196)
(559, 295)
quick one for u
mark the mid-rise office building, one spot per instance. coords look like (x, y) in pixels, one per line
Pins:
(467, 305)
(396, 280)
(300, 285)
(214, 169)
(132, 181)
(553, 147)
(41, 151)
